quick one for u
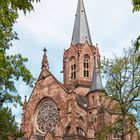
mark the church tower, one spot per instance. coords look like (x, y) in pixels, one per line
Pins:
(78, 60)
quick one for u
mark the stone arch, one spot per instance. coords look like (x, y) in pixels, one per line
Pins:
(81, 119)
(67, 129)
(42, 99)
(86, 56)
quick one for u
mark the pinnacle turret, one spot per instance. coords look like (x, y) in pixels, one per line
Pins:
(96, 79)
(45, 63)
(25, 102)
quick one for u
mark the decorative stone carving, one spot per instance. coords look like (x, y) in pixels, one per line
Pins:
(46, 117)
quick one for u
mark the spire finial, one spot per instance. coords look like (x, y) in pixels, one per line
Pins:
(25, 98)
(96, 79)
(81, 32)
(45, 63)
(25, 101)
(44, 50)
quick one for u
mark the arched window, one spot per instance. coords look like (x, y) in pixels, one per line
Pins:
(73, 68)
(95, 120)
(86, 66)
(81, 120)
(80, 131)
(67, 130)
(100, 98)
(93, 99)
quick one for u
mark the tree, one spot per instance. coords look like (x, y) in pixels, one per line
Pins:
(137, 47)
(12, 67)
(123, 86)
(8, 126)
(136, 5)
(136, 8)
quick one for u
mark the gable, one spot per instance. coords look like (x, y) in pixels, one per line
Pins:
(88, 49)
(48, 87)
(49, 136)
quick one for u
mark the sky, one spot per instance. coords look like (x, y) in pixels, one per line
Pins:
(112, 25)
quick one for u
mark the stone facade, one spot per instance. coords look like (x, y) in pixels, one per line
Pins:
(79, 52)
(78, 114)
(73, 110)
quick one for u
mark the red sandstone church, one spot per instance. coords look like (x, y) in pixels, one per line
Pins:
(74, 110)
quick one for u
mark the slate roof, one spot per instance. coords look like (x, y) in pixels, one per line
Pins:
(82, 100)
(81, 32)
(96, 79)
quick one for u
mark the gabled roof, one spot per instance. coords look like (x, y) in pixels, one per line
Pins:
(96, 79)
(45, 70)
(81, 32)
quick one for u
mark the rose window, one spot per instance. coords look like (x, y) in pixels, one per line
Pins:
(47, 116)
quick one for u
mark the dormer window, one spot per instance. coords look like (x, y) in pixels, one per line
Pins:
(86, 66)
(73, 68)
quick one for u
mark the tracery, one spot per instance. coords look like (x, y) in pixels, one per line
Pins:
(47, 116)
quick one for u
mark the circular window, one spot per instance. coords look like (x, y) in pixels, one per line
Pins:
(47, 116)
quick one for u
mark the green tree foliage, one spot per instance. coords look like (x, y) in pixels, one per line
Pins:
(137, 48)
(8, 126)
(12, 67)
(136, 5)
(123, 85)
(136, 8)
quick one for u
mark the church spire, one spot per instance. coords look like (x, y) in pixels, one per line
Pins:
(96, 79)
(25, 102)
(81, 32)
(45, 63)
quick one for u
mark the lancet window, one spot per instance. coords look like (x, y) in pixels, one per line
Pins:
(86, 66)
(73, 68)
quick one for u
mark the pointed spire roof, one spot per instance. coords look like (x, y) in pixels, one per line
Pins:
(25, 101)
(96, 79)
(81, 32)
(45, 63)
(45, 66)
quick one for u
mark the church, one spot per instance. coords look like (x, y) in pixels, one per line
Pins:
(76, 108)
